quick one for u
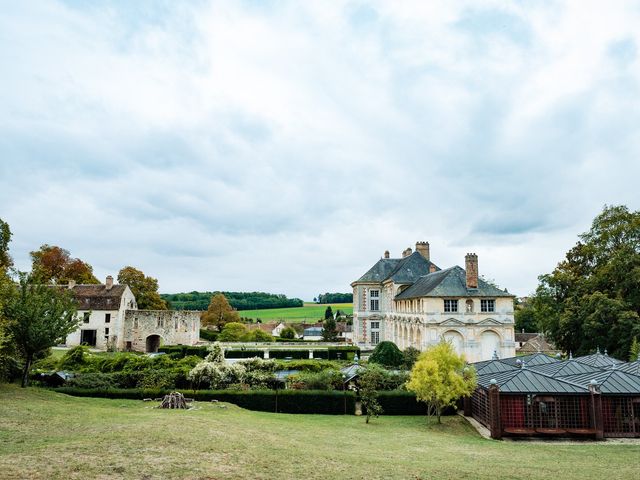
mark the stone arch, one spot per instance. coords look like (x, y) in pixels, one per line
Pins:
(456, 339)
(489, 342)
(152, 343)
(419, 339)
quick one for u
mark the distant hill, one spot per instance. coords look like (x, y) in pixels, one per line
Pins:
(238, 300)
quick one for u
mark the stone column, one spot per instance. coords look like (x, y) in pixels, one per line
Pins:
(310, 354)
(265, 354)
(595, 402)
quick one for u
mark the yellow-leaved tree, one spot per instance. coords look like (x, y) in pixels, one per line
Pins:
(440, 377)
(219, 313)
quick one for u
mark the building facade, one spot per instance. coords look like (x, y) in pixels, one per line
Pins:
(109, 318)
(414, 303)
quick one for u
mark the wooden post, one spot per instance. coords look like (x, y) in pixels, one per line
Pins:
(495, 425)
(466, 406)
(596, 411)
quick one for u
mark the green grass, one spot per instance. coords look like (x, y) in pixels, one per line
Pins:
(46, 435)
(310, 312)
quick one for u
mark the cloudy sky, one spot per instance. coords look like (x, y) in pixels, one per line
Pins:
(283, 146)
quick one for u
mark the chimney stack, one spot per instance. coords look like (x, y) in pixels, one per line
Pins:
(72, 283)
(471, 266)
(423, 249)
(386, 254)
(109, 282)
(407, 252)
(432, 268)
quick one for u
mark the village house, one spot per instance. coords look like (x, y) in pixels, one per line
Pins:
(414, 303)
(110, 319)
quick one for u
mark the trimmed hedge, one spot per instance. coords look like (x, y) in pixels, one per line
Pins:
(243, 354)
(208, 335)
(181, 351)
(400, 402)
(294, 354)
(287, 401)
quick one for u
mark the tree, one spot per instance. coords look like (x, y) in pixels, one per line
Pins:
(634, 351)
(233, 332)
(328, 313)
(6, 261)
(219, 313)
(439, 378)
(592, 298)
(258, 335)
(39, 317)
(52, 264)
(143, 287)
(525, 318)
(410, 357)
(288, 333)
(329, 330)
(369, 382)
(388, 354)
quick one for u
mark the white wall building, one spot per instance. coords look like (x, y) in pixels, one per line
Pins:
(412, 302)
(109, 318)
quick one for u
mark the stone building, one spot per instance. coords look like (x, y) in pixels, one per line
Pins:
(413, 302)
(110, 319)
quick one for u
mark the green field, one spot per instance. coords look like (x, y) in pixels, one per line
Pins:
(311, 312)
(46, 435)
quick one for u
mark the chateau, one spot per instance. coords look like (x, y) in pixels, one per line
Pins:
(109, 318)
(413, 302)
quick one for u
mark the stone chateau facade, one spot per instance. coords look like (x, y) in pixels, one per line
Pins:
(109, 318)
(413, 302)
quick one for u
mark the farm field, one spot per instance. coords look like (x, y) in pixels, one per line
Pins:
(46, 435)
(310, 312)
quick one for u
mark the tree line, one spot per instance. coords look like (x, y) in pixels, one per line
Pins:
(238, 300)
(334, 298)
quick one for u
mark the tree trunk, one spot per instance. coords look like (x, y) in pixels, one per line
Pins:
(438, 413)
(25, 373)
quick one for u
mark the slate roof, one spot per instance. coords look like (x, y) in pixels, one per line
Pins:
(630, 367)
(451, 282)
(530, 360)
(97, 297)
(598, 360)
(565, 368)
(528, 381)
(494, 366)
(613, 382)
(400, 270)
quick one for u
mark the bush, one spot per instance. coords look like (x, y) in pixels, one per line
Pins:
(287, 401)
(323, 380)
(99, 381)
(208, 335)
(258, 335)
(299, 354)
(244, 353)
(388, 354)
(185, 350)
(343, 353)
(401, 402)
(75, 359)
(307, 365)
(288, 333)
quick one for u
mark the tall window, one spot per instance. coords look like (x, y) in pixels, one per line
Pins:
(374, 300)
(450, 305)
(107, 317)
(85, 317)
(375, 338)
(487, 305)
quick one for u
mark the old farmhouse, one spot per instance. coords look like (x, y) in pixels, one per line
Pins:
(110, 319)
(413, 302)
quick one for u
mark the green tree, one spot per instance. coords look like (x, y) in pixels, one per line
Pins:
(288, 333)
(39, 317)
(525, 317)
(257, 335)
(592, 298)
(328, 313)
(388, 354)
(410, 357)
(329, 330)
(233, 332)
(219, 313)
(143, 287)
(52, 264)
(370, 380)
(6, 261)
(439, 378)
(634, 351)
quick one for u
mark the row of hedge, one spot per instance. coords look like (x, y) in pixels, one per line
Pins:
(332, 353)
(280, 401)
(401, 402)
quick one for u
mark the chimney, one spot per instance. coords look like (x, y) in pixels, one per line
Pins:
(471, 266)
(72, 283)
(423, 249)
(432, 268)
(109, 282)
(386, 254)
(407, 252)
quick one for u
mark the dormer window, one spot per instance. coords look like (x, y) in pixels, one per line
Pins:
(374, 301)
(450, 305)
(487, 305)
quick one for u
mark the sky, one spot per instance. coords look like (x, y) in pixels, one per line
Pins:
(283, 146)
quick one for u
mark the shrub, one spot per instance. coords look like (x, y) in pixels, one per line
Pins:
(410, 356)
(258, 364)
(75, 358)
(232, 332)
(258, 335)
(323, 380)
(299, 354)
(208, 335)
(243, 353)
(99, 381)
(288, 333)
(307, 365)
(401, 402)
(216, 375)
(388, 354)
(185, 350)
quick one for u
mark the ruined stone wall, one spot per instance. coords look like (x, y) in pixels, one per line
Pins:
(172, 326)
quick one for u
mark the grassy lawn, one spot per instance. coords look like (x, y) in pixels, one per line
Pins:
(49, 435)
(310, 312)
